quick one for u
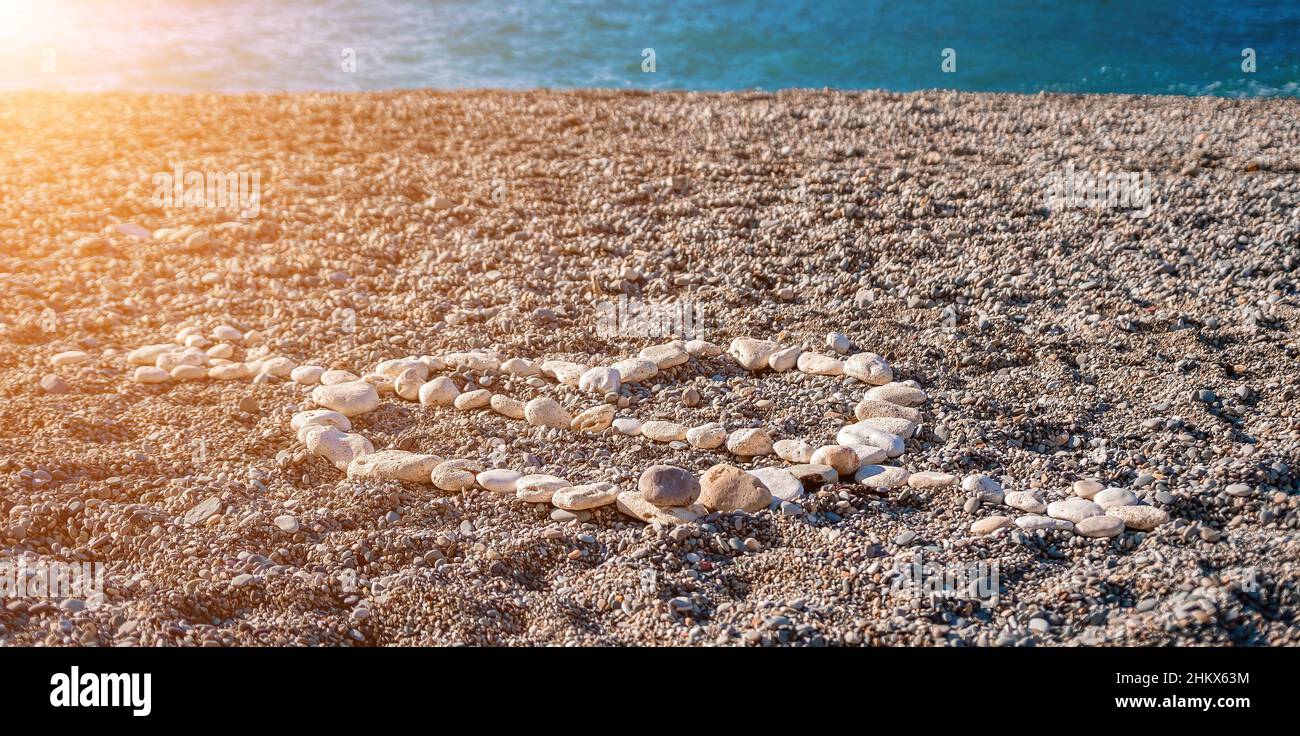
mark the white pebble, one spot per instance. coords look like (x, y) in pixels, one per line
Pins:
(69, 357)
(349, 399)
(151, 374)
(543, 412)
(441, 391)
(629, 426)
(499, 480)
(600, 381)
(839, 342)
(749, 442)
(307, 375)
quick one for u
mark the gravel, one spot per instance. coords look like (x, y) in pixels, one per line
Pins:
(1153, 355)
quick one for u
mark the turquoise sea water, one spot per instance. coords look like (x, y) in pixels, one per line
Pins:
(1151, 46)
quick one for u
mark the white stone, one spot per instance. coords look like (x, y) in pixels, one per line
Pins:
(663, 431)
(882, 477)
(1140, 518)
(132, 230)
(750, 442)
(499, 480)
(707, 436)
(898, 393)
(1099, 527)
(391, 369)
(817, 364)
(455, 476)
(383, 386)
(636, 370)
(474, 360)
(990, 524)
(1025, 501)
(544, 412)
(870, 408)
(838, 342)
(927, 479)
(349, 399)
(335, 377)
(794, 451)
(629, 426)
(441, 391)
(223, 351)
(987, 489)
(148, 354)
(479, 398)
(409, 382)
(307, 375)
(279, 367)
(287, 523)
(1114, 497)
(397, 465)
(1044, 523)
(589, 496)
(780, 481)
(188, 372)
(1087, 488)
(69, 357)
(869, 368)
(506, 406)
(595, 419)
(904, 428)
(565, 371)
(538, 487)
(229, 372)
(318, 417)
(1239, 490)
(151, 374)
(188, 356)
(703, 349)
(863, 434)
(226, 333)
(868, 454)
(976, 483)
(1073, 509)
(521, 367)
(336, 446)
(600, 381)
(820, 474)
(666, 356)
(752, 354)
(784, 359)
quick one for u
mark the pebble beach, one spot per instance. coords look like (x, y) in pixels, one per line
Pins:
(919, 404)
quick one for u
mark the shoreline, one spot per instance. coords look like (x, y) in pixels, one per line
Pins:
(642, 92)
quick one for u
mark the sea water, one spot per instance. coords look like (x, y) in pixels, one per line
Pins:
(1217, 47)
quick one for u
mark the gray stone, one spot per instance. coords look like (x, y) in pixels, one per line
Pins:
(1113, 497)
(782, 484)
(1100, 526)
(1074, 510)
(1140, 518)
(203, 510)
(668, 485)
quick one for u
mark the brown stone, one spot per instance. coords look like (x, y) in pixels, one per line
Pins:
(728, 488)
